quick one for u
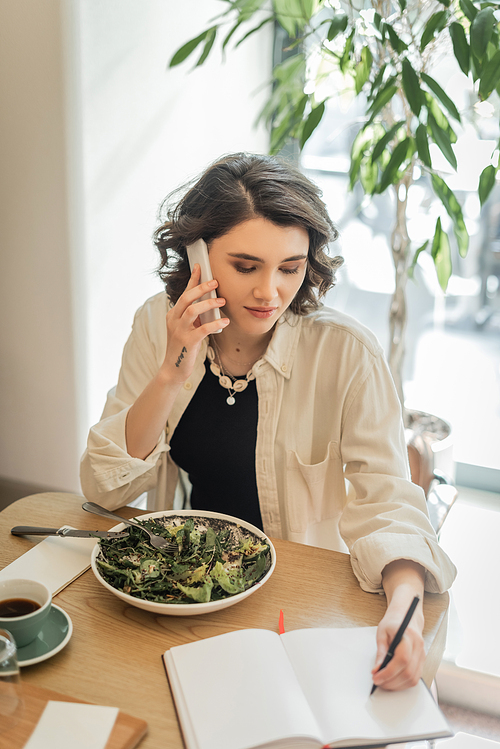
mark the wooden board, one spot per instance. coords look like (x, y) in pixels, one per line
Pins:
(126, 734)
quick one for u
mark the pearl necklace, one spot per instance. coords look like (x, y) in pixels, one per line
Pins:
(233, 387)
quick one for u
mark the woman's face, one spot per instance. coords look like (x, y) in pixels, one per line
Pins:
(260, 267)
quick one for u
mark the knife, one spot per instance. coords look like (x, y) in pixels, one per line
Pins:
(28, 530)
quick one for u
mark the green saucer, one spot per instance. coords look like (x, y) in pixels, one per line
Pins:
(55, 634)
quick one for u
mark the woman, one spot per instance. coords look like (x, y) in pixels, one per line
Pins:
(275, 415)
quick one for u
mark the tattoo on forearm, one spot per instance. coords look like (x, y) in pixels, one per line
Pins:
(181, 356)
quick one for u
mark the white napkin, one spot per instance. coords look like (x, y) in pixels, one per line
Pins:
(55, 561)
(73, 724)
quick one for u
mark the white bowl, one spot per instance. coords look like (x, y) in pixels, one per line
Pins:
(188, 609)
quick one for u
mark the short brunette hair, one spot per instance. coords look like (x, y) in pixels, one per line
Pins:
(237, 188)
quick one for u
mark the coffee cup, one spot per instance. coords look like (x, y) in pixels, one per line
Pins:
(24, 607)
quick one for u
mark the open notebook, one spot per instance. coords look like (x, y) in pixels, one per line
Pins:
(307, 688)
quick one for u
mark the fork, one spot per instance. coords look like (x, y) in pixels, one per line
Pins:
(157, 541)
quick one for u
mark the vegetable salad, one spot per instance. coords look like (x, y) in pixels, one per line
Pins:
(213, 559)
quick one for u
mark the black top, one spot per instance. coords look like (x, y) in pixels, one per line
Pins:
(215, 444)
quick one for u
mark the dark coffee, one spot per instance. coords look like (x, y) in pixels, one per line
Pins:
(17, 607)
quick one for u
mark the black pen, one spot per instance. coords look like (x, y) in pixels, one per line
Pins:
(399, 634)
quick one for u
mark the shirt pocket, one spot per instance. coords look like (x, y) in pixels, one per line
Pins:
(314, 492)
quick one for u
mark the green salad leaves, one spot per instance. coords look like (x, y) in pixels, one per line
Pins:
(210, 562)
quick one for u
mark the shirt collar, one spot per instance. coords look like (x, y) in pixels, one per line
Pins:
(281, 350)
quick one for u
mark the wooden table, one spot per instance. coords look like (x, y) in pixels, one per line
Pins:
(114, 655)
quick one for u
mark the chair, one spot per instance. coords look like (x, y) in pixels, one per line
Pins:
(439, 491)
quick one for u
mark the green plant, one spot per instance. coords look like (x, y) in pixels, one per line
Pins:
(384, 52)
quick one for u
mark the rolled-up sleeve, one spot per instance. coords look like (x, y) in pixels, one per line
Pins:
(108, 474)
(385, 517)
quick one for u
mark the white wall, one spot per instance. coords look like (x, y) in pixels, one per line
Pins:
(38, 438)
(96, 131)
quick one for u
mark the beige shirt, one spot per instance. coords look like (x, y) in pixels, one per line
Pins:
(331, 460)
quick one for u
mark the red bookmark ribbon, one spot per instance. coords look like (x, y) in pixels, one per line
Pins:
(281, 624)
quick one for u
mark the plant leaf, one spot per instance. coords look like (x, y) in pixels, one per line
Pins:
(368, 174)
(384, 96)
(347, 51)
(291, 69)
(399, 155)
(289, 22)
(442, 140)
(385, 139)
(411, 269)
(397, 44)
(289, 123)
(246, 8)
(443, 122)
(377, 20)
(230, 34)
(442, 96)
(402, 4)
(280, 133)
(481, 31)
(490, 77)
(363, 69)
(299, 109)
(486, 183)
(287, 91)
(411, 86)
(310, 7)
(360, 146)
(186, 49)
(460, 46)
(434, 25)
(437, 237)
(252, 31)
(312, 122)
(441, 255)
(378, 80)
(209, 43)
(448, 199)
(468, 9)
(337, 25)
(475, 66)
(293, 15)
(423, 145)
(361, 143)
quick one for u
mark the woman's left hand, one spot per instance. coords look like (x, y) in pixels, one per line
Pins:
(402, 580)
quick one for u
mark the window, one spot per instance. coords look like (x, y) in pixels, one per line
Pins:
(452, 365)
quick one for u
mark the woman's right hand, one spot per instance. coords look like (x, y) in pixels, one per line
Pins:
(147, 417)
(185, 332)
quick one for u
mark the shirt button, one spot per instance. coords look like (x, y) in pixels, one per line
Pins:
(283, 367)
(187, 386)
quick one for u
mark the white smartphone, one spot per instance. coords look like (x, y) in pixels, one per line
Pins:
(198, 253)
